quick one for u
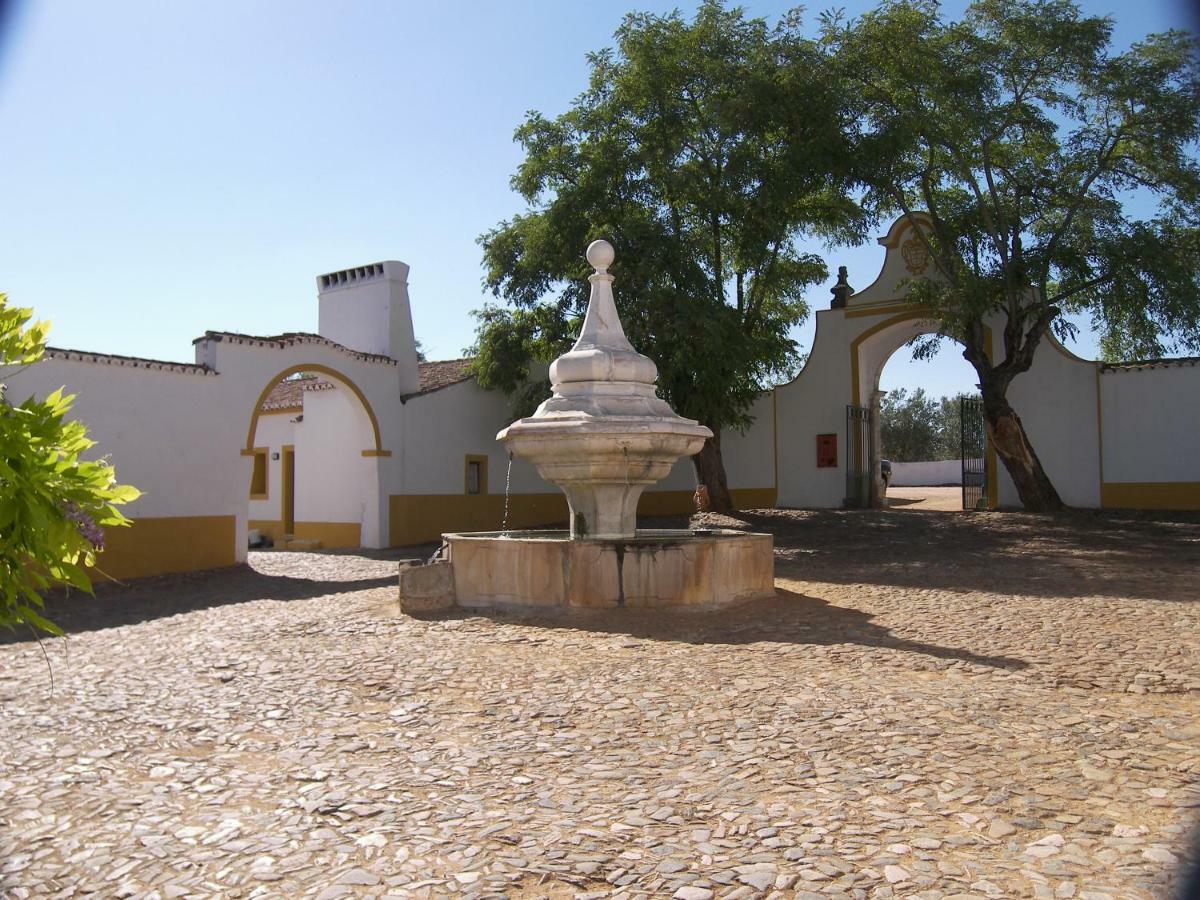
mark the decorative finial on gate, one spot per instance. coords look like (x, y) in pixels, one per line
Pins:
(841, 291)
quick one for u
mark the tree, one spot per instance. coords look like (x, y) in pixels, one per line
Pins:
(1030, 143)
(689, 152)
(909, 426)
(54, 506)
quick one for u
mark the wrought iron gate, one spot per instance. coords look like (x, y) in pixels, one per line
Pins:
(860, 460)
(973, 442)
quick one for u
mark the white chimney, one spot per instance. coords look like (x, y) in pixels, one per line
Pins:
(366, 309)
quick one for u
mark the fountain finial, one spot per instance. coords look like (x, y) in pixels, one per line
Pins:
(600, 255)
(603, 435)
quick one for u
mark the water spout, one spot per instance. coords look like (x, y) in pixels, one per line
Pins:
(507, 491)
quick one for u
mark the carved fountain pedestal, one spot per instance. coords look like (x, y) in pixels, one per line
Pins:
(602, 437)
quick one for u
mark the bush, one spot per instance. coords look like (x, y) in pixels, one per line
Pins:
(54, 506)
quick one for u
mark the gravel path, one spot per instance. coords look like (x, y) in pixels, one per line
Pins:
(936, 705)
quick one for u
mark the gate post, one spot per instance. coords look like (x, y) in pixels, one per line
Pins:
(878, 491)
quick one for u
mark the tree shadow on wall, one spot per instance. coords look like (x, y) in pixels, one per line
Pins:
(786, 618)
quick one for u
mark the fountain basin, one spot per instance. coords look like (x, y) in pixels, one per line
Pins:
(654, 568)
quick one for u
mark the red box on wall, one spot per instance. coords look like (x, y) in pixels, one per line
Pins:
(826, 451)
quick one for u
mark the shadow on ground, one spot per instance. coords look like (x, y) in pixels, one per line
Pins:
(1079, 553)
(1140, 555)
(266, 578)
(786, 618)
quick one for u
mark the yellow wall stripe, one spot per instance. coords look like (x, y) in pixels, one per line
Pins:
(1150, 495)
(423, 518)
(163, 544)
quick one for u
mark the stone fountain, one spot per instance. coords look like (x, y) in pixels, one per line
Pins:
(602, 437)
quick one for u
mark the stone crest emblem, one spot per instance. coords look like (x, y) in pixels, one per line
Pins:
(916, 255)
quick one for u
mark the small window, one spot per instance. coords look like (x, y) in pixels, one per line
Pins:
(258, 480)
(476, 475)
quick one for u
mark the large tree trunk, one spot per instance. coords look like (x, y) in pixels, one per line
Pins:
(710, 472)
(1008, 436)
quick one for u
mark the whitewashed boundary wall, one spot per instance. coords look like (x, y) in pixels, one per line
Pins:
(927, 473)
(1150, 432)
(159, 424)
(1112, 436)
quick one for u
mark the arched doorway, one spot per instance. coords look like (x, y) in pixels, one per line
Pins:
(870, 352)
(315, 444)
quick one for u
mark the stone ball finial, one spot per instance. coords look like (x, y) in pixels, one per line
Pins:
(600, 255)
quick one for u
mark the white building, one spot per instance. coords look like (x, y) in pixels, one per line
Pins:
(343, 439)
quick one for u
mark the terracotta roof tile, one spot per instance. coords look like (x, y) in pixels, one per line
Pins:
(443, 373)
(134, 362)
(287, 394)
(1149, 363)
(288, 339)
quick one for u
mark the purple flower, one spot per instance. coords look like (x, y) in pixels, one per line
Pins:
(91, 532)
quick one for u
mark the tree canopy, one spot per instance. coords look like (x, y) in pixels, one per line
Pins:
(915, 427)
(703, 150)
(1059, 176)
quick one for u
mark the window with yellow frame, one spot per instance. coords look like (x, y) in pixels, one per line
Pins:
(475, 475)
(258, 477)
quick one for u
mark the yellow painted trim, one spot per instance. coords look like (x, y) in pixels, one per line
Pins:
(266, 492)
(1100, 433)
(377, 453)
(913, 313)
(891, 240)
(324, 370)
(1150, 495)
(287, 500)
(483, 474)
(332, 535)
(245, 452)
(157, 545)
(775, 435)
(282, 411)
(888, 306)
(990, 460)
(424, 518)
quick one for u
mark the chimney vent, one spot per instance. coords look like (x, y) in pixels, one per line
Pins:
(346, 277)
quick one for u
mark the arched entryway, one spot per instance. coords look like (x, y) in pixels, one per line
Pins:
(870, 352)
(315, 443)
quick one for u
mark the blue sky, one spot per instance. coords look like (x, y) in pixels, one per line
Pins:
(173, 167)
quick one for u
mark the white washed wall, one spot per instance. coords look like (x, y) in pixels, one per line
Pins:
(927, 473)
(273, 432)
(814, 403)
(156, 426)
(1151, 424)
(330, 483)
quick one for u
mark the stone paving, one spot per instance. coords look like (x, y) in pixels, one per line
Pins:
(936, 705)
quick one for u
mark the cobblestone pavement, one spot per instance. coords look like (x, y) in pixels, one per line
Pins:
(935, 705)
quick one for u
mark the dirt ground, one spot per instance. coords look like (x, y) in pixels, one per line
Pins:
(936, 705)
(925, 499)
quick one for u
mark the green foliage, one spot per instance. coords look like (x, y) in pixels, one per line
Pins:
(53, 505)
(917, 428)
(690, 151)
(1029, 141)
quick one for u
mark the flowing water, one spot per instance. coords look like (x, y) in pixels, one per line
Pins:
(507, 487)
